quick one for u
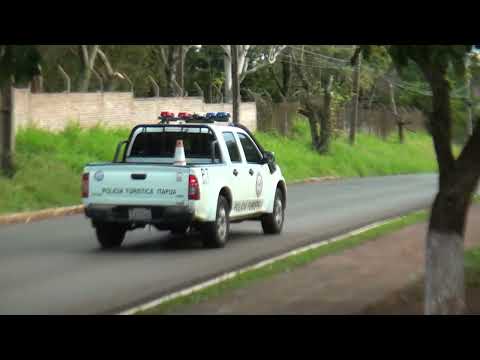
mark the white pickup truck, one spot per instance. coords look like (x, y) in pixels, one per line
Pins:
(227, 178)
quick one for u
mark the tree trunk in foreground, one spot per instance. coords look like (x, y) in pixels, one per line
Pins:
(314, 131)
(444, 272)
(84, 81)
(313, 122)
(326, 124)
(7, 141)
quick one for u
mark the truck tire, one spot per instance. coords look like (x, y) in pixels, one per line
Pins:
(273, 223)
(215, 234)
(110, 235)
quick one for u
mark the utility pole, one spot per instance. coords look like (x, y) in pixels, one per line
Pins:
(235, 85)
(356, 88)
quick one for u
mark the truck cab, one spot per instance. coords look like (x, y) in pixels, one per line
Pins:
(226, 177)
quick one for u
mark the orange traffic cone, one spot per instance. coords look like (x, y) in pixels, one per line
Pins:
(180, 154)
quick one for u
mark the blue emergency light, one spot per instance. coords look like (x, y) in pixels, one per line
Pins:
(223, 116)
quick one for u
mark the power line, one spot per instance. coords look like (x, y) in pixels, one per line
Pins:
(318, 54)
(318, 66)
(404, 85)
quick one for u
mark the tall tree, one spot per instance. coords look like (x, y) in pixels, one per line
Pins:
(316, 101)
(356, 99)
(18, 65)
(250, 58)
(284, 83)
(173, 62)
(204, 73)
(109, 75)
(88, 55)
(458, 177)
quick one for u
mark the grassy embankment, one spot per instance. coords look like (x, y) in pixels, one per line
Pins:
(49, 164)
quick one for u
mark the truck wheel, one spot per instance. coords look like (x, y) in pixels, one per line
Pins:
(273, 223)
(215, 234)
(110, 235)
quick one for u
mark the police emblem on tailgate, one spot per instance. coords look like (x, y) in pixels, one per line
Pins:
(99, 175)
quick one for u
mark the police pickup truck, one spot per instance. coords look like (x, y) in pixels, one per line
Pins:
(186, 172)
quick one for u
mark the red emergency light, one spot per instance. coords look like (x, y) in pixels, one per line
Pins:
(184, 115)
(167, 114)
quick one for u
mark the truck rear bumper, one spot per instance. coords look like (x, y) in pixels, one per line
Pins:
(161, 216)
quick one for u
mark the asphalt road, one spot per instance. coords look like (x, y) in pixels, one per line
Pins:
(56, 266)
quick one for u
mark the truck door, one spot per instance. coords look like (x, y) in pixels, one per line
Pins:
(236, 176)
(257, 174)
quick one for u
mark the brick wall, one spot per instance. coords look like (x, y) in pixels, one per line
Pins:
(54, 110)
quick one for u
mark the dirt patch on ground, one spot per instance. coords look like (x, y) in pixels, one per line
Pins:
(410, 301)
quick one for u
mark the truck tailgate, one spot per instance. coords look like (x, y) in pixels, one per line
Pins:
(132, 184)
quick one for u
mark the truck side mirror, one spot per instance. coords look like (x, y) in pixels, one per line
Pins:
(269, 158)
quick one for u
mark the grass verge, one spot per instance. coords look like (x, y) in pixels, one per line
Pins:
(49, 165)
(371, 156)
(284, 265)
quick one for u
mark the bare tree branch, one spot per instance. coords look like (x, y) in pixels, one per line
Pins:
(84, 54)
(178, 88)
(106, 62)
(255, 68)
(201, 70)
(277, 82)
(298, 68)
(274, 52)
(226, 49)
(163, 55)
(93, 56)
(199, 89)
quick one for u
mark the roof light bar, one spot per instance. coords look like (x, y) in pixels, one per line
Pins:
(211, 117)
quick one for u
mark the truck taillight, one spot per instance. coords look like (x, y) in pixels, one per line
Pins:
(85, 185)
(193, 188)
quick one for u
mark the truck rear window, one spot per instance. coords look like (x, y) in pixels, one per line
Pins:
(162, 144)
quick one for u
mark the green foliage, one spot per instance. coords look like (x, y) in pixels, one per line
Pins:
(411, 62)
(206, 68)
(19, 61)
(372, 156)
(472, 267)
(49, 166)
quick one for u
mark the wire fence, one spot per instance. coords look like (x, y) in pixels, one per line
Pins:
(376, 120)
